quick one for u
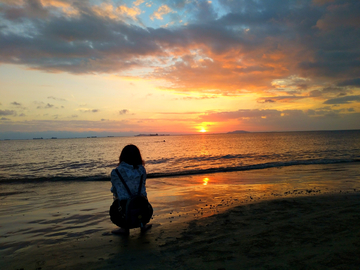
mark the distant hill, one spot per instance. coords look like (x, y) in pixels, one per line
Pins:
(238, 131)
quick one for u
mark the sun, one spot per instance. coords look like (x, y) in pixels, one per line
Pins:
(202, 130)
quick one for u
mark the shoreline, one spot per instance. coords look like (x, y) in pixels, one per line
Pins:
(260, 221)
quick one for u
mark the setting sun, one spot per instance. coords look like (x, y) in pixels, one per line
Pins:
(203, 130)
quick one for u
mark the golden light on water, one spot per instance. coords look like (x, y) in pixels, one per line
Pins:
(205, 181)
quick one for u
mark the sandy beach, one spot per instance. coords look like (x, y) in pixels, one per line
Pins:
(261, 221)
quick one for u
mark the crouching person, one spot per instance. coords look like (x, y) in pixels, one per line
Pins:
(130, 208)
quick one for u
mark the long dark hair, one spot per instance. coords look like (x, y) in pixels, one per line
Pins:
(131, 155)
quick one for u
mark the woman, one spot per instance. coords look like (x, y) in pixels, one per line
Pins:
(131, 170)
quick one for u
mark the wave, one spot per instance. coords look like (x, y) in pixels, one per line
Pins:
(102, 177)
(253, 167)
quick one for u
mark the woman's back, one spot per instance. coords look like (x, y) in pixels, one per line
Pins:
(131, 177)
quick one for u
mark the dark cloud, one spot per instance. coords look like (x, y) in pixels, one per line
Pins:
(326, 111)
(15, 103)
(124, 111)
(7, 112)
(83, 44)
(343, 100)
(90, 111)
(253, 43)
(32, 9)
(47, 106)
(266, 100)
(331, 91)
(279, 99)
(352, 82)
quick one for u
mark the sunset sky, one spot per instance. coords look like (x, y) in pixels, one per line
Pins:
(71, 67)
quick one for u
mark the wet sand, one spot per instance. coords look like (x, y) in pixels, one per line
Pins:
(293, 218)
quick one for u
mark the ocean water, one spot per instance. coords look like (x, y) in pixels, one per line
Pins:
(82, 159)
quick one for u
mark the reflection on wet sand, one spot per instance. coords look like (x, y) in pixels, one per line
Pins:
(205, 181)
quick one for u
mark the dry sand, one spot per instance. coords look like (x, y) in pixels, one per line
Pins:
(270, 226)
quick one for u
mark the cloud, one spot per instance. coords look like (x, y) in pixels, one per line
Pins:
(124, 111)
(69, 125)
(4, 119)
(285, 120)
(352, 82)
(162, 10)
(240, 114)
(253, 114)
(122, 12)
(279, 98)
(266, 100)
(240, 46)
(31, 9)
(7, 112)
(339, 16)
(178, 113)
(55, 98)
(343, 100)
(197, 98)
(41, 106)
(15, 103)
(90, 110)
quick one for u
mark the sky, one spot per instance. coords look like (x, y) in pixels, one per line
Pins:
(77, 68)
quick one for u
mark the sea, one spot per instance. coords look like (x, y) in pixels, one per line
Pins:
(92, 159)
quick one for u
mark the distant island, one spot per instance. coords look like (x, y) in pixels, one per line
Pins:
(151, 134)
(238, 131)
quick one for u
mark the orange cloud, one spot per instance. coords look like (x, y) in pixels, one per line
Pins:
(116, 13)
(162, 10)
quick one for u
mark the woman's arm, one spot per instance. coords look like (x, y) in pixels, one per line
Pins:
(117, 185)
(143, 189)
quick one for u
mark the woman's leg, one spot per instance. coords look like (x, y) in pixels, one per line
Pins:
(121, 231)
(145, 227)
